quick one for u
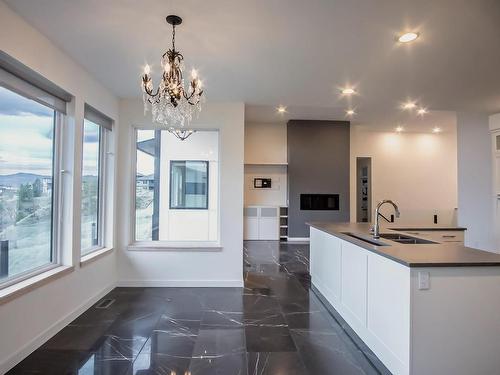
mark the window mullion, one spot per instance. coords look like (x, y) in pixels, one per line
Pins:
(102, 185)
(57, 188)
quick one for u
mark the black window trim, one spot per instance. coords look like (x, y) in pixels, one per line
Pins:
(207, 163)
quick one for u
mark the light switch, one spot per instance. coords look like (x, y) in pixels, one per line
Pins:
(424, 280)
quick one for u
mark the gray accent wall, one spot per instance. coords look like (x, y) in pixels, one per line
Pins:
(318, 163)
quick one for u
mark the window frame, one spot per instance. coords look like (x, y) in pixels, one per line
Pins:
(207, 195)
(101, 188)
(162, 245)
(57, 196)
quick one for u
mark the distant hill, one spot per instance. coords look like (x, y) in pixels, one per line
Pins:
(16, 179)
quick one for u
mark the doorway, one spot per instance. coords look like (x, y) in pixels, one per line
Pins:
(363, 189)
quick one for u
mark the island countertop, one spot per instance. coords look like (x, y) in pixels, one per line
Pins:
(412, 255)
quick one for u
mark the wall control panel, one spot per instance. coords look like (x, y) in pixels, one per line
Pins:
(424, 280)
(262, 183)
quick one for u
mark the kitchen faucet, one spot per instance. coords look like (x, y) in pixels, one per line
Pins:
(376, 226)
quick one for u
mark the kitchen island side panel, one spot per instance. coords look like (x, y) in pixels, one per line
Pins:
(370, 292)
(456, 322)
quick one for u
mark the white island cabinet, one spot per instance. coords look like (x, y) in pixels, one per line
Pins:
(417, 320)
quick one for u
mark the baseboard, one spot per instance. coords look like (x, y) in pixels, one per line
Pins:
(298, 239)
(51, 331)
(182, 283)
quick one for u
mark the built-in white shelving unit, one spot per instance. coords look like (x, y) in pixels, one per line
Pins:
(283, 223)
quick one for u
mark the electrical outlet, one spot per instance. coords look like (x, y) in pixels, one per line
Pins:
(424, 280)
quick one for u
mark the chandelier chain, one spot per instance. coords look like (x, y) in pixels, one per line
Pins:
(173, 37)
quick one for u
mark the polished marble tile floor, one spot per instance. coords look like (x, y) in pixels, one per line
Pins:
(274, 326)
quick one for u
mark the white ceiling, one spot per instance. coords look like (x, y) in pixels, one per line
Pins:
(292, 52)
(412, 123)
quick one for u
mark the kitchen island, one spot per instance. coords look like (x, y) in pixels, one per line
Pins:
(422, 306)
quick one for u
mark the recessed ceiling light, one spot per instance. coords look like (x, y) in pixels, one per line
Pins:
(436, 130)
(348, 91)
(408, 37)
(281, 109)
(399, 129)
(409, 105)
(350, 112)
(422, 111)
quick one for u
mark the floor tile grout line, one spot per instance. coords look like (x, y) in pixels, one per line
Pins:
(149, 338)
(341, 325)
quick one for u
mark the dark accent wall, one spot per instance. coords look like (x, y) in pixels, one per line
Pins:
(318, 163)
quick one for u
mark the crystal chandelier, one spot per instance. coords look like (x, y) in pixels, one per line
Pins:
(171, 103)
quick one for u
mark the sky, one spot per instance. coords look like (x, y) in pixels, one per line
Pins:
(90, 149)
(25, 135)
(26, 132)
(145, 162)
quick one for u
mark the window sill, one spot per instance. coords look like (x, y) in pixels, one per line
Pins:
(175, 246)
(94, 255)
(26, 286)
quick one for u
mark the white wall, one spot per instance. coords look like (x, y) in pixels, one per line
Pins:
(416, 170)
(475, 181)
(184, 267)
(266, 156)
(277, 195)
(265, 143)
(27, 321)
(190, 224)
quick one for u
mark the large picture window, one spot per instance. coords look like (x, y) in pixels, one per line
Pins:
(27, 184)
(176, 187)
(188, 184)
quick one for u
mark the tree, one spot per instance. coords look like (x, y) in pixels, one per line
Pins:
(89, 195)
(25, 204)
(25, 193)
(37, 188)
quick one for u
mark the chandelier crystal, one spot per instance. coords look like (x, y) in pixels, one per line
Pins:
(172, 104)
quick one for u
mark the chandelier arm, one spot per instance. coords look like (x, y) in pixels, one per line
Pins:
(191, 102)
(152, 100)
(193, 93)
(188, 97)
(149, 91)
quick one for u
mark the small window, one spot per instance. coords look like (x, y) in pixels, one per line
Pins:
(95, 128)
(91, 161)
(188, 184)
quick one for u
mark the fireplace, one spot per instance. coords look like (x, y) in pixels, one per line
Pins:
(322, 202)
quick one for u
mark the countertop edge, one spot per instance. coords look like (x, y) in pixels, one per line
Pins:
(374, 249)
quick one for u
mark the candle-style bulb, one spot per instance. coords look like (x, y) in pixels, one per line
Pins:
(194, 74)
(147, 69)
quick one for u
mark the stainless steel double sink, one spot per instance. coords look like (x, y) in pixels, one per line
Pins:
(396, 237)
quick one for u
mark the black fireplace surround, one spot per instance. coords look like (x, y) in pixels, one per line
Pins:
(323, 202)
